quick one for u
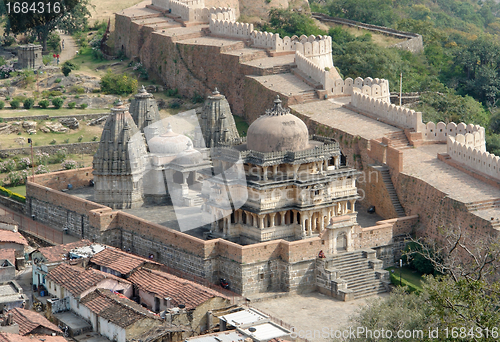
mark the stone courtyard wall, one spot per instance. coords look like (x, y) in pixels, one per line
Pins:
(463, 149)
(76, 148)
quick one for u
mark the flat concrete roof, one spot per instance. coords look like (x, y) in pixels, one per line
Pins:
(244, 317)
(226, 336)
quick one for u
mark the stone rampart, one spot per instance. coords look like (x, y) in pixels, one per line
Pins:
(463, 149)
(231, 28)
(313, 70)
(409, 119)
(414, 42)
(372, 87)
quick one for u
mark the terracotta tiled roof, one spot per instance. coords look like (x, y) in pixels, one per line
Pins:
(119, 260)
(8, 254)
(181, 291)
(8, 236)
(116, 309)
(30, 320)
(7, 337)
(57, 253)
(77, 280)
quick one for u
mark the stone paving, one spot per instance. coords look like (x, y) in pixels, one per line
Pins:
(270, 62)
(284, 84)
(313, 312)
(331, 113)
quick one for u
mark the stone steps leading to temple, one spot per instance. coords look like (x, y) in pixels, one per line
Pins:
(356, 270)
(386, 178)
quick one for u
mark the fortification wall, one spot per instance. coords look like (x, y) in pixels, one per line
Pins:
(313, 70)
(464, 149)
(414, 42)
(228, 28)
(410, 119)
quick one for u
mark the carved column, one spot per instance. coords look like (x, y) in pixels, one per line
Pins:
(264, 170)
(272, 217)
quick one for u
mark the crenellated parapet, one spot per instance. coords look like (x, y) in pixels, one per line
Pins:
(223, 27)
(468, 150)
(407, 118)
(314, 71)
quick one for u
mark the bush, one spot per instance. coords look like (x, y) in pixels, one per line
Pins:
(13, 195)
(67, 67)
(69, 164)
(17, 177)
(80, 138)
(60, 155)
(57, 102)
(8, 41)
(28, 103)
(2, 104)
(41, 158)
(41, 169)
(95, 138)
(14, 104)
(8, 165)
(24, 163)
(44, 104)
(58, 80)
(117, 84)
(71, 105)
(175, 105)
(53, 142)
(82, 106)
(197, 98)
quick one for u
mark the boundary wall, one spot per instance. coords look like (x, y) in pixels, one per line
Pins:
(469, 150)
(269, 266)
(409, 119)
(414, 42)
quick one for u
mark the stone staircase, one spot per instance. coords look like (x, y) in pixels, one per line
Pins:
(359, 270)
(483, 205)
(386, 178)
(398, 140)
(282, 69)
(309, 96)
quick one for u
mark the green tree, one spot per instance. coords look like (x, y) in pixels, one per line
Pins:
(448, 107)
(289, 23)
(68, 66)
(376, 12)
(42, 23)
(117, 84)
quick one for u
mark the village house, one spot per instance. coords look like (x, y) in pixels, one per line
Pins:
(7, 264)
(32, 323)
(160, 291)
(122, 320)
(9, 337)
(12, 296)
(13, 240)
(46, 258)
(119, 263)
(72, 283)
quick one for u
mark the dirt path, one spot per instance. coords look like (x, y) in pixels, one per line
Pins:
(70, 48)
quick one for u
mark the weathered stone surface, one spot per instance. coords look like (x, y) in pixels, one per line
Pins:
(29, 125)
(31, 131)
(57, 127)
(71, 123)
(20, 140)
(97, 121)
(6, 128)
(44, 129)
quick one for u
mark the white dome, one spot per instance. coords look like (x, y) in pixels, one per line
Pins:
(169, 143)
(189, 157)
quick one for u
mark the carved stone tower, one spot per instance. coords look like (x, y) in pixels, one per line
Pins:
(118, 163)
(144, 109)
(217, 122)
